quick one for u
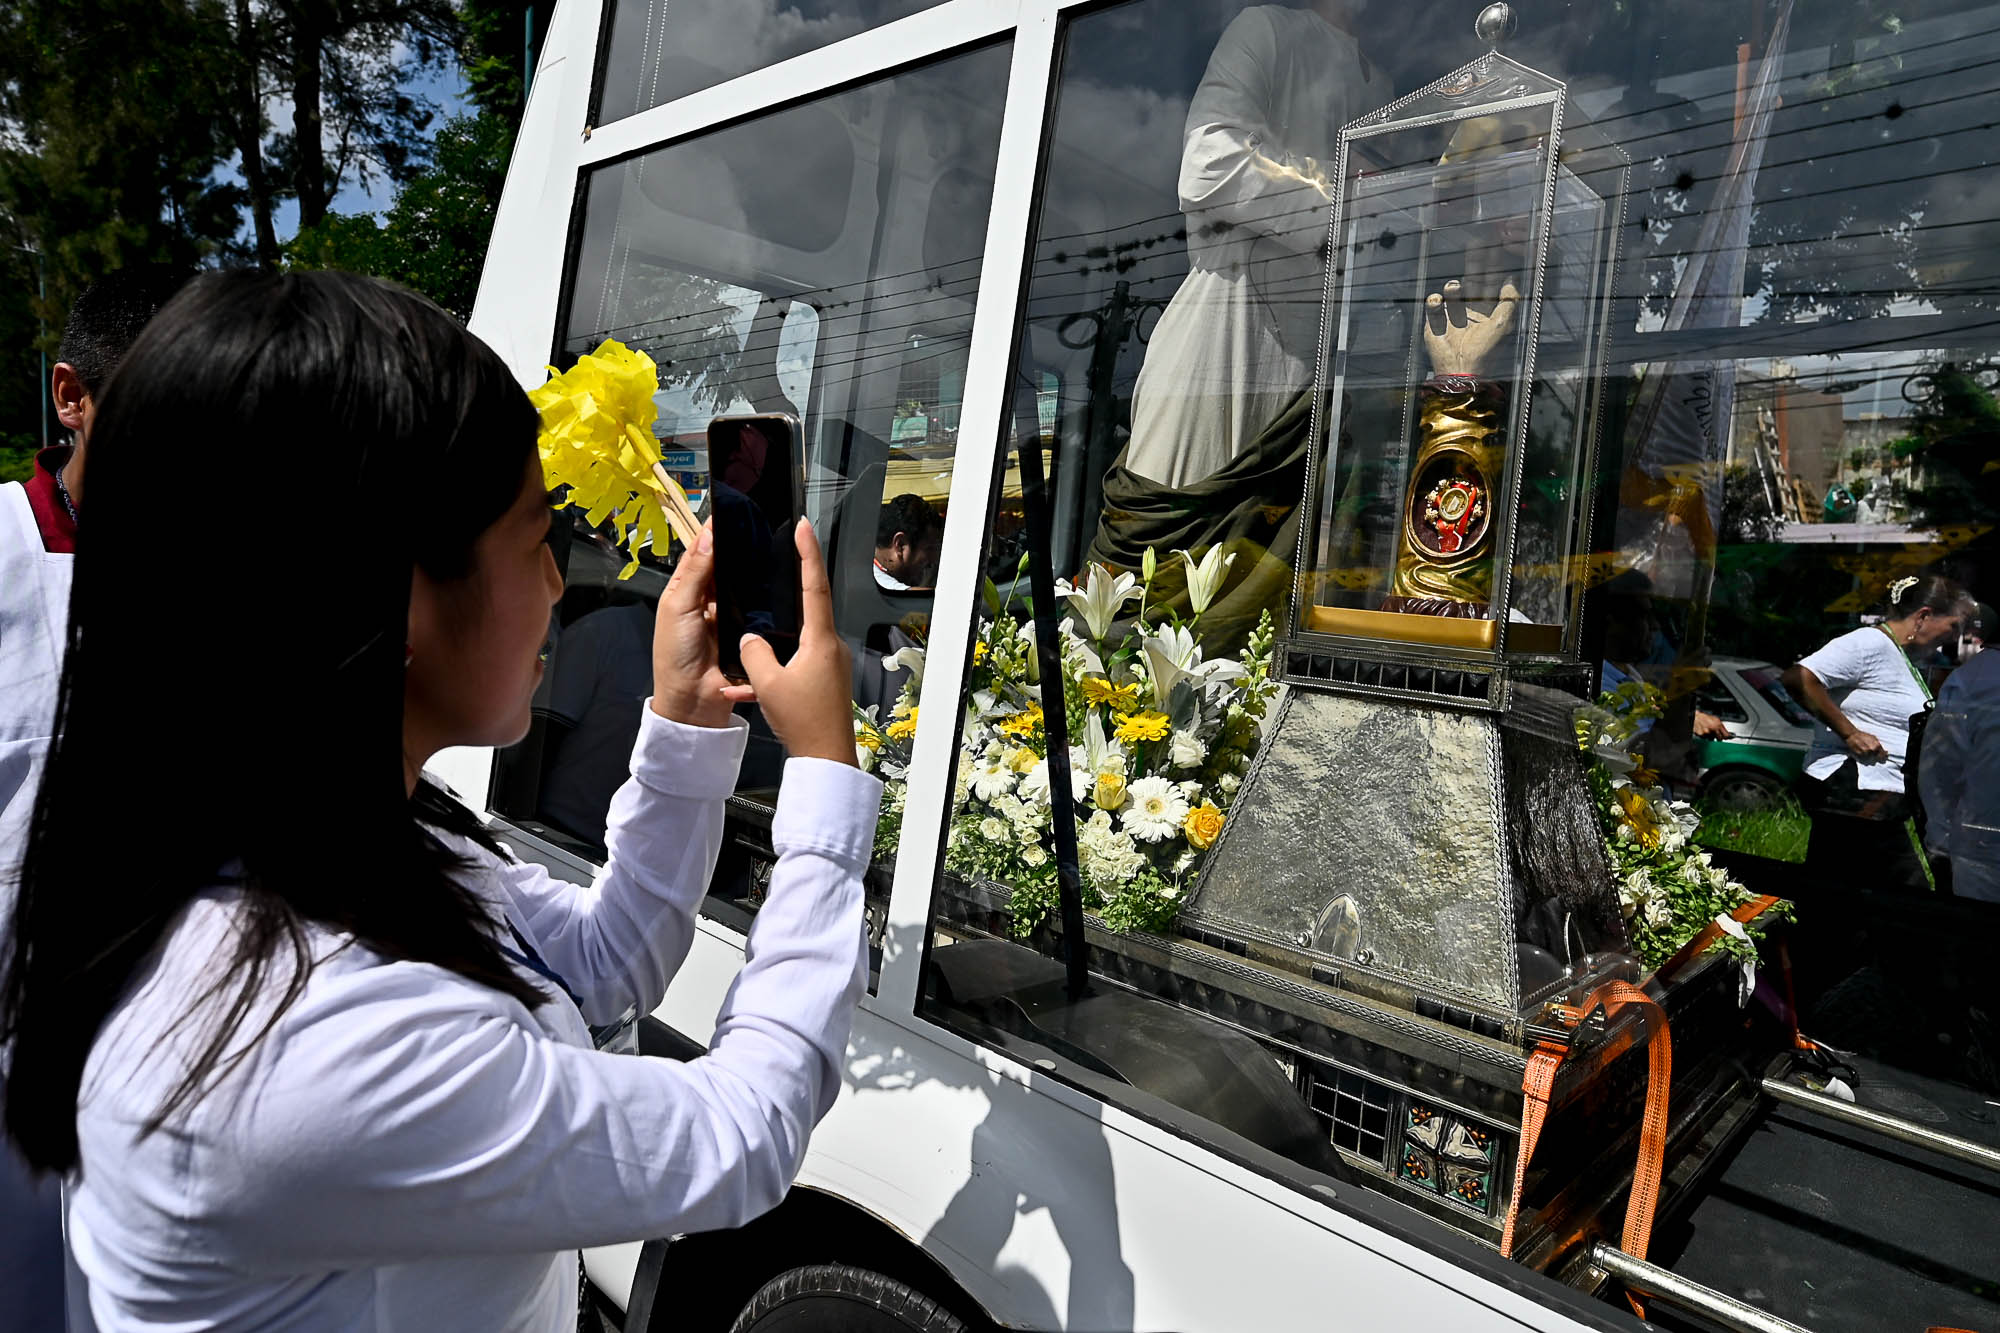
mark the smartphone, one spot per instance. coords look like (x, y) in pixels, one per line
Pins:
(756, 496)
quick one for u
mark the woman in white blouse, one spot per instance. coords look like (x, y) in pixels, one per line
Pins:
(1863, 688)
(310, 1047)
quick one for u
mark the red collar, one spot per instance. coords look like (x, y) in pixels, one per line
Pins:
(51, 515)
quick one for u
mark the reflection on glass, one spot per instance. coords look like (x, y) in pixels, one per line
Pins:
(657, 50)
(1790, 374)
(820, 262)
(1221, 407)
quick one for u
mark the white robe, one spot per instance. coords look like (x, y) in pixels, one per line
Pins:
(1236, 343)
(34, 617)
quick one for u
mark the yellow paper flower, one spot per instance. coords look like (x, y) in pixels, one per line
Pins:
(1203, 826)
(1109, 791)
(597, 439)
(1023, 724)
(903, 727)
(1121, 698)
(1146, 726)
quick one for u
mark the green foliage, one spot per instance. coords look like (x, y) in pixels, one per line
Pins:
(433, 238)
(16, 464)
(1778, 832)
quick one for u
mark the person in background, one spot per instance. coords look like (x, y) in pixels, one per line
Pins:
(599, 675)
(1959, 778)
(909, 537)
(38, 527)
(313, 1054)
(1863, 688)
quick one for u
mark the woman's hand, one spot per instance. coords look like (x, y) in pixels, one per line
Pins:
(1865, 745)
(809, 702)
(688, 686)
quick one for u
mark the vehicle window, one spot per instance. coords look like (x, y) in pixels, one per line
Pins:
(1768, 682)
(821, 261)
(656, 52)
(1772, 404)
(1715, 698)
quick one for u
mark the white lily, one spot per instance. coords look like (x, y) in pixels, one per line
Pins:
(1101, 754)
(1086, 656)
(1173, 654)
(1204, 576)
(1100, 599)
(910, 659)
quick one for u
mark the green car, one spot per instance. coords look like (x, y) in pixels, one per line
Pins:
(1771, 732)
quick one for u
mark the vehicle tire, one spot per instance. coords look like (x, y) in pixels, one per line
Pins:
(836, 1298)
(1741, 789)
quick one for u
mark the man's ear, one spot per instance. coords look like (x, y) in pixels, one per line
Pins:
(72, 400)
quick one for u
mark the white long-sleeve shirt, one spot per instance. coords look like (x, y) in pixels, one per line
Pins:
(411, 1150)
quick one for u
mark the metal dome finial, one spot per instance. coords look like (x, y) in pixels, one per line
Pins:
(1495, 24)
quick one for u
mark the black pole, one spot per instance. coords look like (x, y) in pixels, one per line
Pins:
(1055, 717)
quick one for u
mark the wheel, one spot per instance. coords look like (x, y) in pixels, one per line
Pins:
(835, 1298)
(1739, 789)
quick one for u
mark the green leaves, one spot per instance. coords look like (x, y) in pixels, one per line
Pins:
(433, 238)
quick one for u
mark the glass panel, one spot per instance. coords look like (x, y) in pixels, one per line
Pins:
(657, 50)
(1772, 429)
(845, 298)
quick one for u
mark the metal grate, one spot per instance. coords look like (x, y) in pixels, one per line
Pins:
(1357, 1111)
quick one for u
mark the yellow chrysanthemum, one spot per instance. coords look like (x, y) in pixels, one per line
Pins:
(1147, 726)
(597, 439)
(1023, 724)
(1203, 826)
(903, 727)
(1122, 698)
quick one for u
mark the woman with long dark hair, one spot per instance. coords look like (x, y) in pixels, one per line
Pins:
(1863, 689)
(311, 1046)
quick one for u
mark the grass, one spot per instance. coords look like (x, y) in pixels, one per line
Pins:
(1778, 831)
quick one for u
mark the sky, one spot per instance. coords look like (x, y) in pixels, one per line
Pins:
(445, 87)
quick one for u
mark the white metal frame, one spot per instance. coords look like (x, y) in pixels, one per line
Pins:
(521, 293)
(1181, 1197)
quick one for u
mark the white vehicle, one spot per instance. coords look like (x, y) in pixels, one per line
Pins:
(931, 231)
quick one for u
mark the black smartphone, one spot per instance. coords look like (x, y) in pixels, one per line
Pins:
(756, 496)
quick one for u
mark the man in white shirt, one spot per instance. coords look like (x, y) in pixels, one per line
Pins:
(38, 525)
(909, 538)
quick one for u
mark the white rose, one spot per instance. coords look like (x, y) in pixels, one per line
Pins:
(1034, 857)
(992, 829)
(1228, 783)
(1187, 750)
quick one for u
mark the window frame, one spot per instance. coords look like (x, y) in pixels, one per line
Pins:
(531, 262)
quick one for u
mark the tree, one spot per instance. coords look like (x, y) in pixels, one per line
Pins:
(110, 156)
(433, 238)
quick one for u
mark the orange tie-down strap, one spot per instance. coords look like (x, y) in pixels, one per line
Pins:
(1538, 1083)
(1745, 912)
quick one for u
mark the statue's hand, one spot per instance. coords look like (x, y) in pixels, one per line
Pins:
(1459, 340)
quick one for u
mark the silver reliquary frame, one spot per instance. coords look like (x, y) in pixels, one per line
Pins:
(1472, 259)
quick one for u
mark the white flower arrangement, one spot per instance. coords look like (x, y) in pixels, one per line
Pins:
(1668, 889)
(1161, 735)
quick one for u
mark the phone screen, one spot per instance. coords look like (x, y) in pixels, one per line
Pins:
(755, 498)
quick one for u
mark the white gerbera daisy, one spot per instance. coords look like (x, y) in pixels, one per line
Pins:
(1154, 809)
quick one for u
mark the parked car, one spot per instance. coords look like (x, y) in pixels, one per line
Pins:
(1770, 729)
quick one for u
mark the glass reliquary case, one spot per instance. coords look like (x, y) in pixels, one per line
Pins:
(1472, 259)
